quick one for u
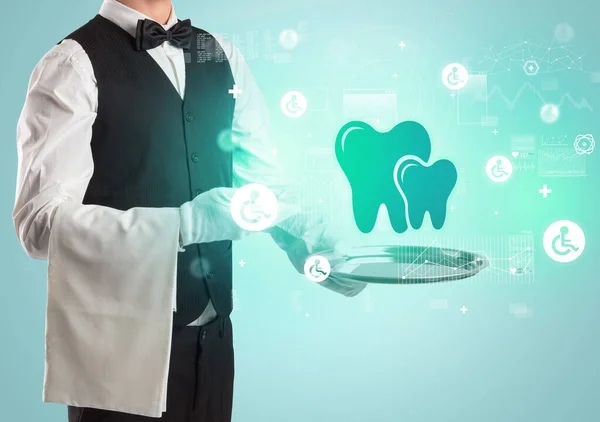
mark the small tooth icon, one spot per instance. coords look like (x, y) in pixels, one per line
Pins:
(425, 189)
(515, 154)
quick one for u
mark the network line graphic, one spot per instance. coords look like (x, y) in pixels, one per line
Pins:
(550, 59)
(527, 87)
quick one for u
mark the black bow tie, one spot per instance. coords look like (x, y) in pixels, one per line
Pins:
(150, 34)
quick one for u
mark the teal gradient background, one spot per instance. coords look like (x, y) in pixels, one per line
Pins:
(384, 355)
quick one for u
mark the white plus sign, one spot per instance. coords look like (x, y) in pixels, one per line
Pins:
(545, 191)
(495, 131)
(453, 94)
(242, 263)
(452, 208)
(395, 75)
(464, 309)
(235, 91)
(402, 45)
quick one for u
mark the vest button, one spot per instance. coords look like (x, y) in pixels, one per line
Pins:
(203, 336)
(189, 117)
(195, 157)
(210, 275)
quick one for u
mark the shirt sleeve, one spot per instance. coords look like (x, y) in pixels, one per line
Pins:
(111, 285)
(53, 144)
(255, 157)
(55, 162)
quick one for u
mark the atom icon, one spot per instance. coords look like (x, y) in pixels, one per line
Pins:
(584, 144)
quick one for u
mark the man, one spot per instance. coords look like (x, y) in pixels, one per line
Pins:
(123, 187)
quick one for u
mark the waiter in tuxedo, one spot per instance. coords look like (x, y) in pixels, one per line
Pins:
(123, 187)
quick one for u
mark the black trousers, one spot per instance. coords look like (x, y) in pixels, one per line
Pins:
(200, 383)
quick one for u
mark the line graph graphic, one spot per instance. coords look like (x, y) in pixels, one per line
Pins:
(422, 268)
(511, 258)
(524, 145)
(557, 157)
(528, 88)
(561, 161)
(524, 166)
(561, 140)
(559, 154)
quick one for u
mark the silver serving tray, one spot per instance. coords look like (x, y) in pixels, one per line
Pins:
(404, 264)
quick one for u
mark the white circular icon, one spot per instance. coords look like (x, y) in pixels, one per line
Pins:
(564, 241)
(288, 38)
(317, 268)
(254, 207)
(225, 140)
(293, 104)
(498, 169)
(455, 76)
(549, 113)
(564, 33)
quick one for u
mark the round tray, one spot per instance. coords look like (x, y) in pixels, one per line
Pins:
(404, 264)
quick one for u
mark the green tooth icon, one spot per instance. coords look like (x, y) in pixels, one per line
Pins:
(390, 169)
(425, 189)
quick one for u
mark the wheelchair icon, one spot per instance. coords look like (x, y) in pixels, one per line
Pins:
(564, 241)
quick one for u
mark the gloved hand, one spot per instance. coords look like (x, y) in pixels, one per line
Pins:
(207, 218)
(302, 236)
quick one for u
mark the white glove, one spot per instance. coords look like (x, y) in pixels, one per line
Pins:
(302, 236)
(207, 218)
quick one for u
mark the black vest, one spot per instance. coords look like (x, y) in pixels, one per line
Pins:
(153, 149)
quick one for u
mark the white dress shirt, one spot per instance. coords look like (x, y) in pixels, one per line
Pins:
(111, 273)
(102, 259)
(55, 129)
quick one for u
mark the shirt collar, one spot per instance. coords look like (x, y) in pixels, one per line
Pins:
(127, 18)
